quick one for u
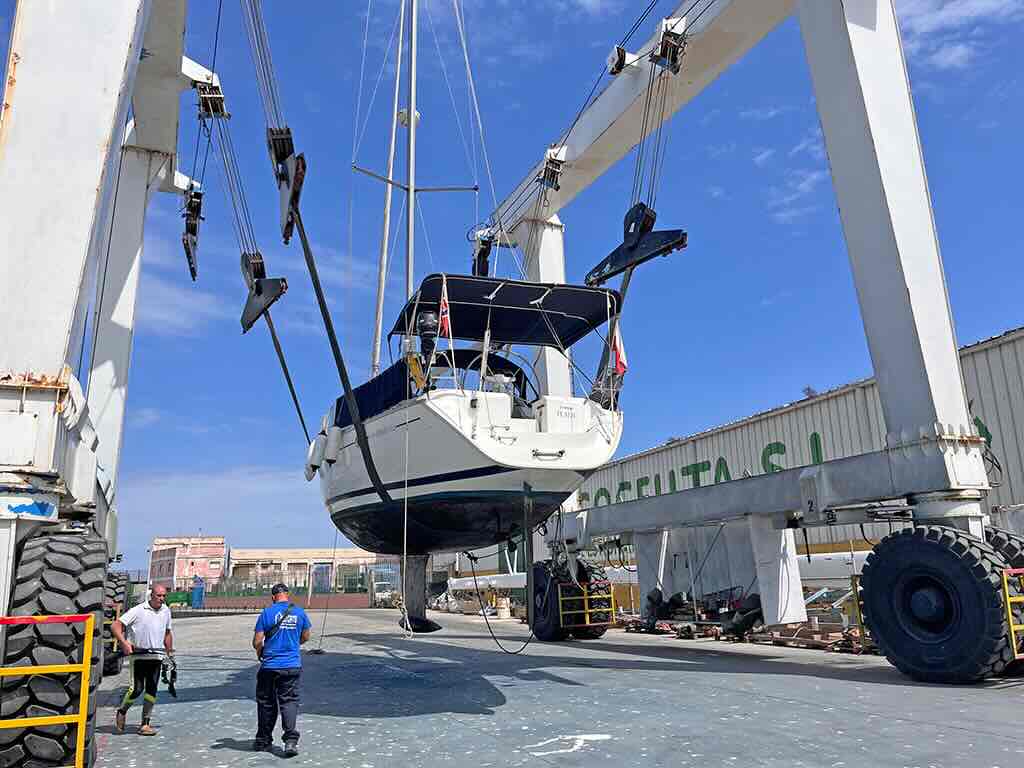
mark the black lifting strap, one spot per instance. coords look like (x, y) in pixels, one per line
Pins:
(339, 361)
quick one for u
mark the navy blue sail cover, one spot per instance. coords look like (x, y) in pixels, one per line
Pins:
(517, 312)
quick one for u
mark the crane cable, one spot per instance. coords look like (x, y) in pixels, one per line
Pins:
(234, 193)
(259, 46)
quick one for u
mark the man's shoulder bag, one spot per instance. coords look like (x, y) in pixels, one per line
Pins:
(274, 629)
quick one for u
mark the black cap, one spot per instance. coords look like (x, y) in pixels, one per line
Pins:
(279, 588)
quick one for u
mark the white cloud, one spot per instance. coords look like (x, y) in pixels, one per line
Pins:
(952, 56)
(718, 150)
(590, 7)
(927, 17)
(168, 308)
(789, 215)
(763, 156)
(249, 505)
(140, 418)
(764, 113)
(716, 192)
(813, 144)
(789, 201)
(945, 34)
(157, 252)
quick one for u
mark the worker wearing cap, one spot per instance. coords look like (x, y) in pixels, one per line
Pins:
(281, 628)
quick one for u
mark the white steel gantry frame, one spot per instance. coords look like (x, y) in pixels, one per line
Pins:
(88, 133)
(933, 454)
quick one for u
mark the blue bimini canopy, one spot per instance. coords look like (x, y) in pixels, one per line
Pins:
(517, 312)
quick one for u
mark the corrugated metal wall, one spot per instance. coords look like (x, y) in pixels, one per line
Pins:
(843, 422)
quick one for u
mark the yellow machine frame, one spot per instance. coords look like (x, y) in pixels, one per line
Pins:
(588, 610)
(1016, 630)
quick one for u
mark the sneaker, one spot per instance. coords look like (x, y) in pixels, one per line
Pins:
(147, 730)
(119, 721)
(291, 749)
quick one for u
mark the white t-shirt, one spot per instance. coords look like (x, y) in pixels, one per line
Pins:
(147, 627)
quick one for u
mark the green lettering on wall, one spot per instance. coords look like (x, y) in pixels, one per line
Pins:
(598, 494)
(584, 499)
(817, 457)
(657, 484)
(695, 470)
(772, 449)
(671, 481)
(722, 471)
(641, 483)
(624, 486)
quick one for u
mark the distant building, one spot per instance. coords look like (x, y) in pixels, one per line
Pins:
(348, 569)
(174, 561)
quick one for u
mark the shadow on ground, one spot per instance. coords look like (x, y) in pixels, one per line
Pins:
(397, 677)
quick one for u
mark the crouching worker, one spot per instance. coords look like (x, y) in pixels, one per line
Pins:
(280, 630)
(149, 625)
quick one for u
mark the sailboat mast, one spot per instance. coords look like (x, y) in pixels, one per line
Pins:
(410, 210)
(382, 272)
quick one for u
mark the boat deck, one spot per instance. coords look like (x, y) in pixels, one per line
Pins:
(376, 699)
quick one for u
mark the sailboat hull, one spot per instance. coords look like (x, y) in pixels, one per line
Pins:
(445, 521)
(460, 469)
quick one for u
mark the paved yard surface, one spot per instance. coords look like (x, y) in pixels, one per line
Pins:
(376, 699)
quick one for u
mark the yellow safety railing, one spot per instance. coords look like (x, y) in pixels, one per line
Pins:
(84, 669)
(1009, 600)
(588, 611)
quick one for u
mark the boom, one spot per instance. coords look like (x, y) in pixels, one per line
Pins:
(610, 126)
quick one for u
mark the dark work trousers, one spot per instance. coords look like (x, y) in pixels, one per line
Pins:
(277, 689)
(145, 676)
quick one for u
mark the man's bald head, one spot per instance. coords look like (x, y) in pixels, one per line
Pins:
(157, 596)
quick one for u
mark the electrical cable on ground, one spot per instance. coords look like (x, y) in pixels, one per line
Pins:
(483, 611)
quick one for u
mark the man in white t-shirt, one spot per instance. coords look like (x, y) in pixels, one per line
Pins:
(149, 625)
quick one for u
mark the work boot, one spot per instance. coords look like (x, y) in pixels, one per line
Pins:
(119, 721)
(147, 730)
(291, 749)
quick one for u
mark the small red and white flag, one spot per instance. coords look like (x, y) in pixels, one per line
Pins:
(445, 328)
(619, 353)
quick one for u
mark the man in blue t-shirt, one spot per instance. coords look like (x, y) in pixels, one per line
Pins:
(280, 630)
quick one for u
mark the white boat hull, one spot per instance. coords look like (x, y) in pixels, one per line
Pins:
(457, 466)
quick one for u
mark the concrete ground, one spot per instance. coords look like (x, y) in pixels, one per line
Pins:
(376, 699)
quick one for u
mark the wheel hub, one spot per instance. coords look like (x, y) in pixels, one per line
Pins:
(928, 604)
(929, 612)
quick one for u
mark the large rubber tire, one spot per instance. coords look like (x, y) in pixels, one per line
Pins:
(115, 593)
(1011, 546)
(547, 625)
(933, 604)
(58, 573)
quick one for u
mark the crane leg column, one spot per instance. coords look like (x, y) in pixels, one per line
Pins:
(543, 242)
(141, 172)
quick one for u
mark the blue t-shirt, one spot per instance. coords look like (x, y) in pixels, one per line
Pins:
(282, 650)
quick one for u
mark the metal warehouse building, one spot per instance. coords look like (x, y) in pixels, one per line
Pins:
(845, 421)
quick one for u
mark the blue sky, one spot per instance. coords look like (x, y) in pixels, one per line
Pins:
(760, 305)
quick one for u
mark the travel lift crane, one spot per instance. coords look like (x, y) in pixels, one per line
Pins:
(932, 594)
(88, 136)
